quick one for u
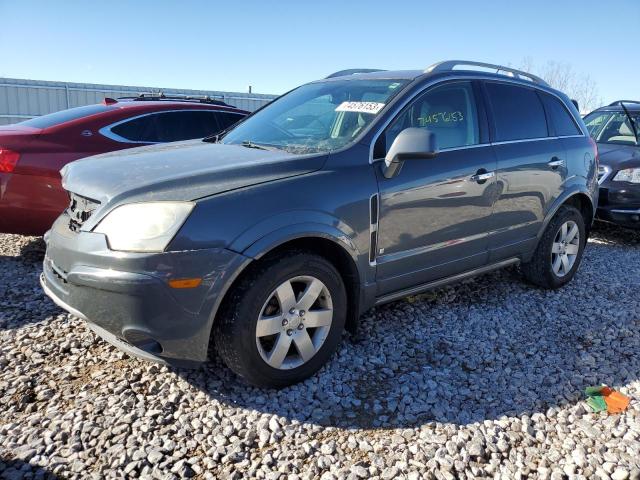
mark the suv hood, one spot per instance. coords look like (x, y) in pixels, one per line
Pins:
(180, 171)
(619, 156)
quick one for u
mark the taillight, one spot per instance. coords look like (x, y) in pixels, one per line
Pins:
(8, 160)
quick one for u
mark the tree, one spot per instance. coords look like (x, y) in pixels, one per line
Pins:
(561, 76)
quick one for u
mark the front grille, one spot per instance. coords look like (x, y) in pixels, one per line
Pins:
(79, 210)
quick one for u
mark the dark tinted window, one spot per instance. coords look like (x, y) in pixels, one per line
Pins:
(517, 112)
(449, 111)
(136, 129)
(226, 119)
(169, 126)
(562, 121)
(46, 121)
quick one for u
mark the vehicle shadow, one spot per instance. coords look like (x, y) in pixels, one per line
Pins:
(613, 234)
(12, 469)
(20, 293)
(477, 351)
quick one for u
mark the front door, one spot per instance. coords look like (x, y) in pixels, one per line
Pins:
(435, 214)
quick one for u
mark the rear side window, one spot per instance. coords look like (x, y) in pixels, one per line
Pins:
(517, 112)
(561, 120)
(57, 118)
(134, 130)
(169, 126)
(449, 111)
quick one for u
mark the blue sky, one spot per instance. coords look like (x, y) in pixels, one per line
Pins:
(277, 45)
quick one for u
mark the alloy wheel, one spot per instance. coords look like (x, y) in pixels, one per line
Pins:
(294, 322)
(564, 250)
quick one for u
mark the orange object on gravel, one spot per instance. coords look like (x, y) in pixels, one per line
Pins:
(616, 402)
(602, 395)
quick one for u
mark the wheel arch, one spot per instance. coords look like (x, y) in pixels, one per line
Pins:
(578, 198)
(322, 240)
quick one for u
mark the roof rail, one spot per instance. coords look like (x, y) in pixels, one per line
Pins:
(160, 96)
(620, 102)
(449, 65)
(353, 71)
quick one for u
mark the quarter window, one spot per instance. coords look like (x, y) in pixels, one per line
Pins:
(449, 111)
(562, 121)
(595, 121)
(517, 112)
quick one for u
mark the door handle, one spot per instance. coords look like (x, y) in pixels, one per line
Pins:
(482, 176)
(556, 162)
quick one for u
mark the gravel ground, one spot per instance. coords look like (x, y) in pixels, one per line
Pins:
(482, 379)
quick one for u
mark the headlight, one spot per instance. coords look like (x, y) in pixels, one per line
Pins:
(143, 227)
(629, 175)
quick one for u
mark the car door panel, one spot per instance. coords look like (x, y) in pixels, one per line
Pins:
(527, 186)
(531, 167)
(434, 219)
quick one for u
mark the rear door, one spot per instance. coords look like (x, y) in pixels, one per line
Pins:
(531, 166)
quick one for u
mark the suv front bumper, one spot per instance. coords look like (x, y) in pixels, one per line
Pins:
(126, 298)
(619, 202)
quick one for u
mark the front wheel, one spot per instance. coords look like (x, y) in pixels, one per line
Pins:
(283, 320)
(559, 251)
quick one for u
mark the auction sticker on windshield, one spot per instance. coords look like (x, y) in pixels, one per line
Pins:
(360, 107)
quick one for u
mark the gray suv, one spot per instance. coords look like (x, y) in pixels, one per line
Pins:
(348, 192)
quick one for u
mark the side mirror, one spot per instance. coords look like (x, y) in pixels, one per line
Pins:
(410, 144)
(575, 104)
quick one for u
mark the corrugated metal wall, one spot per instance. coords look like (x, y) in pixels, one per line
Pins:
(23, 99)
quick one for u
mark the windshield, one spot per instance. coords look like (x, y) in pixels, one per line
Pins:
(46, 121)
(317, 117)
(612, 127)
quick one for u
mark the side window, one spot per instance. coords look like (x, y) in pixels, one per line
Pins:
(517, 112)
(185, 125)
(225, 119)
(449, 111)
(194, 124)
(141, 129)
(169, 126)
(563, 122)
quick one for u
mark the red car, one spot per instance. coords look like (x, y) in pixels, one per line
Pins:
(33, 152)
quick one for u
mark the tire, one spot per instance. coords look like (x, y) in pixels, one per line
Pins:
(540, 270)
(257, 297)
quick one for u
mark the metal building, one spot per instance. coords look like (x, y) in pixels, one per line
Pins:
(24, 99)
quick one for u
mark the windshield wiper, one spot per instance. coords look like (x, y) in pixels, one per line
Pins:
(633, 123)
(216, 137)
(260, 146)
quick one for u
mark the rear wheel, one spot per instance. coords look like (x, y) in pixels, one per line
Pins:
(283, 320)
(559, 251)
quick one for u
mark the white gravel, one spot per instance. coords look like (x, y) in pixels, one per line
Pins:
(480, 379)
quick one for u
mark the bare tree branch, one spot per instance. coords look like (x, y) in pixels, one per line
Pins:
(561, 76)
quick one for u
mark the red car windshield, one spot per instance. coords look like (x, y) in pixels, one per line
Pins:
(52, 119)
